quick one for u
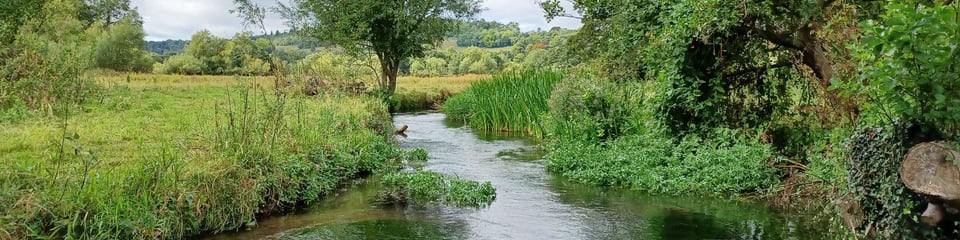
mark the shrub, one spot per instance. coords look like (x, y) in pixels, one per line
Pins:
(587, 109)
(184, 64)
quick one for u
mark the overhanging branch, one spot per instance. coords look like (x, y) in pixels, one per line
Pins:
(757, 69)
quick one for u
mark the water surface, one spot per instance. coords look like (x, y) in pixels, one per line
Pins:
(530, 204)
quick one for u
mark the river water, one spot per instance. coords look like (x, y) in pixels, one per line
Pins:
(530, 204)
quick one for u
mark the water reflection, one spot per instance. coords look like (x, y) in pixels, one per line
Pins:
(384, 229)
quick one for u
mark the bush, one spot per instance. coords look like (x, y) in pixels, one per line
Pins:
(587, 109)
(184, 64)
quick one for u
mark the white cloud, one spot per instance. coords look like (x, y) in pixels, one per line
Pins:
(179, 19)
(525, 12)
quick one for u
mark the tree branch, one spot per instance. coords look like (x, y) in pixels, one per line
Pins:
(780, 38)
(758, 69)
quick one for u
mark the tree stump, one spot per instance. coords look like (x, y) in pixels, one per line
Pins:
(929, 169)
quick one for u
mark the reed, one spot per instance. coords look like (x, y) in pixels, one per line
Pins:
(509, 102)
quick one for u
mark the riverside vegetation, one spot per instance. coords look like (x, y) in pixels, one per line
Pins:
(807, 105)
(91, 155)
(677, 103)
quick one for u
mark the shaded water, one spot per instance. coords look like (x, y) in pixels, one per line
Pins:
(531, 204)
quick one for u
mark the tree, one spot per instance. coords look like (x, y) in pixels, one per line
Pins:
(13, 15)
(394, 30)
(123, 48)
(207, 48)
(108, 11)
(721, 63)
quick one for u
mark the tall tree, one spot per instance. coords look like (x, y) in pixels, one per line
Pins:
(108, 11)
(394, 30)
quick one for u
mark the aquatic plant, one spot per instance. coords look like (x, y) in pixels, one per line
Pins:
(426, 187)
(511, 101)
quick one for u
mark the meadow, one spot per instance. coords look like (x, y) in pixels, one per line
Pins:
(165, 157)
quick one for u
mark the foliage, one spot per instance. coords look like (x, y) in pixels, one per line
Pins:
(720, 64)
(431, 66)
(41, 67)
(594, 110)
(109, 12)
(418, 154)
(208, 48)
(14, 15)
(339, 68)
(910, 66)
(167, 46)
(207, 54)
(183, 64)
(511, 101)
(889, 208)
(393, 30)
(123, 48)
(725, 164)
(425, 187)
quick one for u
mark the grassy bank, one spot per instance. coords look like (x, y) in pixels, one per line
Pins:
(164, 157)
(428, 93)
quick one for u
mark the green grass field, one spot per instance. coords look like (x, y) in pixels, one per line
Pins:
(165, 157)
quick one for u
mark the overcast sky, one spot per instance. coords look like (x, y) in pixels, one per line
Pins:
(179, 19)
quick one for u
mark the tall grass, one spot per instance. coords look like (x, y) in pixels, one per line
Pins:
(154, 160)
(511, 101)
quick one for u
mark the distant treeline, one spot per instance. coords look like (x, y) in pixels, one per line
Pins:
(279, 38)
(487, 34)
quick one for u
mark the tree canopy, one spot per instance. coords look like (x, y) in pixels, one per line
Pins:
(723, 63)
(393, 30)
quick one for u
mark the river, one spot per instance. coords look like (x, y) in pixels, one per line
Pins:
(530, 204)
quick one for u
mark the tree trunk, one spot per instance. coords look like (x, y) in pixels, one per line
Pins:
(814, 56)
(390, 66)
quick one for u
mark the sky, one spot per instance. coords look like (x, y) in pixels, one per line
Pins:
(179, 19)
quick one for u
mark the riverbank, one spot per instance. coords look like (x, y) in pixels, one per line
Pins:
(428, 93)
(531, 202)
(165, 157)
(611, 134)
